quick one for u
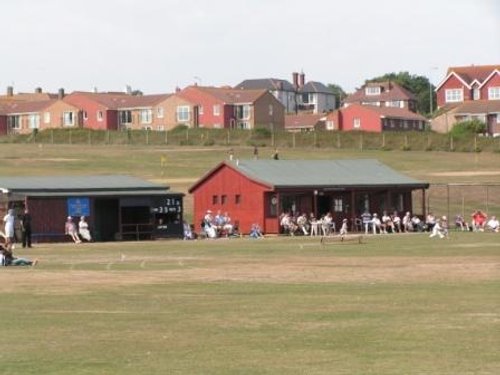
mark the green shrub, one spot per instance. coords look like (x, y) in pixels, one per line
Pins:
(467, 128)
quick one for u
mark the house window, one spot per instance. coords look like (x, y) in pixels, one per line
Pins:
(330, 125)
(125, 117)
(200, 110)
(215, 199)
(146, 116)
(376, 104)
(15, 122)
(356, 123)
(85, 115)
(476, 94)
(237, 199)
(372, 90)
(68, 119)
(494, 93)
(34, 121)
(46, 118)
(217, 110)
(223, 199)
(454, 95)
(183, 113)
(338, 205)
(99, 116)
(394, 103)
(242, 112)
(159, 112)
(273, 206)
(271, 109)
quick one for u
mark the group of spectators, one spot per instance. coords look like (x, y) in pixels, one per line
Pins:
(480, 222)
(218, 225)
(77, 234)
(303, 224)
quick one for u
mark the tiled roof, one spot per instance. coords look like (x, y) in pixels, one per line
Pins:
(390, 92)
(228, 96)
(33, 96)
(28, 107)
(479, 107)
(473, 72)
(271, 84)
(303, 120)
(393, 112)
(316, 87)
(121, 101)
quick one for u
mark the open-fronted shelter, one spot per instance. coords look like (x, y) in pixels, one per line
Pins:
(258, 191)
(116, 206)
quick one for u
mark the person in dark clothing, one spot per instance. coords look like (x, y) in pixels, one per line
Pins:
(275, 154)
(26, 228)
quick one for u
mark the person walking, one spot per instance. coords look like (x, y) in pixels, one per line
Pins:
(9, 221)
(26, 228)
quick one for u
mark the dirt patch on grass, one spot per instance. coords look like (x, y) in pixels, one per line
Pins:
(298, 269)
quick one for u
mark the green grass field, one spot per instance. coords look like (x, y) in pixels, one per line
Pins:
(396, 304)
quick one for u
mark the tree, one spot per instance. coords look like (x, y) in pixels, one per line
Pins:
(420, 86)
(339, 93)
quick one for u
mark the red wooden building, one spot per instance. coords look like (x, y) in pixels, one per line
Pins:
(258, 191)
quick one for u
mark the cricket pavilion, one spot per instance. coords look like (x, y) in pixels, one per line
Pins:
(116, 207)
(258, 191)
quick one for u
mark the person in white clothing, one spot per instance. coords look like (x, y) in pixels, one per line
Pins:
(343, 229)
(83, 229)
(376, 224)
(493, 224)
(9, 221)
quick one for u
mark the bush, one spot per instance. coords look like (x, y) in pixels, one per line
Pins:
(467, 128)
(179, 128)
(261, 133)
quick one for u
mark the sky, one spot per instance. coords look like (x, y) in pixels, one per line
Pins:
(158, 45)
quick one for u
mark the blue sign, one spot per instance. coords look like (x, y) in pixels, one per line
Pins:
(78, 207)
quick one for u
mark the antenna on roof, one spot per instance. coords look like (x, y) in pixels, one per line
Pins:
(94, 90)
(128, 89)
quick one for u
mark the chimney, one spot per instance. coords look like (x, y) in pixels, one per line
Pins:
(295, 76)
(10, 91)
(38, 90)
(177, 89)
(60, 94)
(302, 79)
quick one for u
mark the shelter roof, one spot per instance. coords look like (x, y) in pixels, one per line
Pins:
(319, 174)
(79, 185)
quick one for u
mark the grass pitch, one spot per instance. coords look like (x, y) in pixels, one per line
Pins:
(396, 304)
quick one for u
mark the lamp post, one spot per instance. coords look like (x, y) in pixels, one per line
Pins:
(431, 109)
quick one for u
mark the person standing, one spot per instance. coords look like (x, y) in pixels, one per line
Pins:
(275, 154)
(26, 228)
(255, 153)
(9, 221)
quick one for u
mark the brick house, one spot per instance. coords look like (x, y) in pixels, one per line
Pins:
(115, 111)
(304, 122)
(468, 83)
(226, 108)
(374, 119)
(25, 116)
(383, 94)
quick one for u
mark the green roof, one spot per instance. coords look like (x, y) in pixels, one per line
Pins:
(323, 173)
(79, 185)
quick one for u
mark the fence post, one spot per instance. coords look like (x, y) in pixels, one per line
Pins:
(339, 145)
(89, 136)
(361, 141)
(227, 138)
(406, 141)
(166, 137)
(383, 140)
(272, 138)
(70, 140)
(147, 136)
(187, 135)
(52, 136)
(108, 137)
(293, 140)
(451, 143)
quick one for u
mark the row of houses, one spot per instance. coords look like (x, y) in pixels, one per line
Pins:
(465, 93)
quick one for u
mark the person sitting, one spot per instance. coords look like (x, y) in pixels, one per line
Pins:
(288, 225)
(387, 224)
(493, 224)
(407, 223)
(461, 224)
(227, 226)
(440, 228)
(376, 224)
(430, 221)
(7, 257)
(302, 223)
(417, 224)
(70, 230)
(478, 220)
(187, 231)
(83, 229)
(396, 220)
(255, 231)
(366, 218)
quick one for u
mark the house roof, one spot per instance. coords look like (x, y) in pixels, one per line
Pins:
(478, 107)
(317, 87)
(79, 186)
(115, 101)
(390, 112)
(333, 174)
(234, 96)
(30, 96)
(473, 72)
(271, 84)
(390, 91)
(303, 121)
(28, 107)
